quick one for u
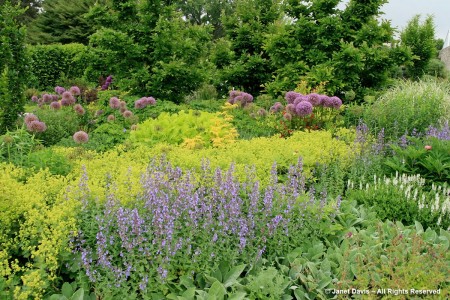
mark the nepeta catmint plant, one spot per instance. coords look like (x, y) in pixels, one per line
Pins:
(183, 224)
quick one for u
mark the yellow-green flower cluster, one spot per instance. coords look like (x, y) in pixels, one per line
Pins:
(35, 221)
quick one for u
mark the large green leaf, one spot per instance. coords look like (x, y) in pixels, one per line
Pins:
(230, 278)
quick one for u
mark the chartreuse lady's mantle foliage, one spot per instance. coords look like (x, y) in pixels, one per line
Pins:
(36, 221)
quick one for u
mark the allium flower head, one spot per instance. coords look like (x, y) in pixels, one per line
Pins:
(75, 90)
(149, 100)
(335, 102)
(36, 126)
(139, 104)
(55, 97)
(30, 118)
(326, 101)
(262, 112)
(291, 96)
(247, 98)
(111, 118)
(59, 90)
(81, 137)
(238, 99)
(79, 109)
(122, 110)
(304, 109)
(34, 98)
(299, 99)
(47, 98)
(55, 105)
(123, 104)
(68, 98)
(314, 99)
(287, 116)
(127, 114)
(114, 103)
(290, 108)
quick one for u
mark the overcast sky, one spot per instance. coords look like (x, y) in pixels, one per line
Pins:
(401, 11)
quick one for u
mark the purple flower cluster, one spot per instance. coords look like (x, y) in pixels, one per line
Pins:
(67, 99)
(81, 137)
(178, 217)
(313, 98)
(238, 97)
(114, 103)
(144, 102)
(441, 134)
(33, 124)
(277, 107)
(59, 90)
(79, 109)
(107, 83)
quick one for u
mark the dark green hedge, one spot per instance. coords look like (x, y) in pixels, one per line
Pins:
(50, 63)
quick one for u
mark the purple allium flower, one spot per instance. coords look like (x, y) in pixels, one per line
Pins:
(75, 90)
(114, 103)
(36, 126)
(127, 114)
(30, 118)
(55, 97)
(59, 90)
(104, 87)
(34, 98)
(234, 94)
(55, 105)
(247, 98)
(109, 79)
(139, 104)
(287, 116)
(290, 108)
(81, 137)
(111, 118)
(291, 96)
(238, 99)
(304, 109)
(335, 102)
(79, 109)
(47, 98)
(276, 107)
(262, 112)
(327, 101)
(122, 110)
(67, 99)
(299, 99)
(123, 104)
(314, 99)
(149, 100)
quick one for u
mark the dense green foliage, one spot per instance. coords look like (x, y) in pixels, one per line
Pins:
(61, 21)
(409, 106)
(420, 38)
(50, 63)
(13, 66)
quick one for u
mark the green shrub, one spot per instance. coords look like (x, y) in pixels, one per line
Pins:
(51, 63)
(404, 198)
(56, 163)
(16, 145)
(432, 162)
(60, 124)
(101, 139)
(193, 129)
(408, 106)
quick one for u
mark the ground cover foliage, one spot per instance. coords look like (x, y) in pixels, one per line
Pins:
(128, 173)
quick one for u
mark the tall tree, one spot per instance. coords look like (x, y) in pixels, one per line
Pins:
(32, 9)
(61, 21)
(345, 49)
(420, 38)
